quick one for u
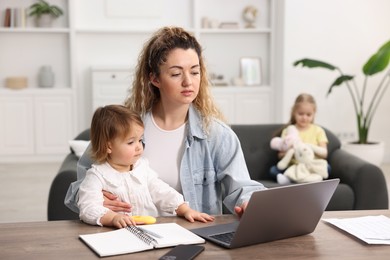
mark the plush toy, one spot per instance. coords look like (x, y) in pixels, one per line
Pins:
(305, 167)
(282, 144)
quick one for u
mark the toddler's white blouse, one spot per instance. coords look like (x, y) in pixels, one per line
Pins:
(141, 187)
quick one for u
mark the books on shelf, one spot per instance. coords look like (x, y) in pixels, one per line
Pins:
(140, 238)
(20, 17)
(15, 17)
(7, 17)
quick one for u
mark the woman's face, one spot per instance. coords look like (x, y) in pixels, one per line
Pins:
(179, 77)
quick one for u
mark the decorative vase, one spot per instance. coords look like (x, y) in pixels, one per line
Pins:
(46, 77)
(373, 152)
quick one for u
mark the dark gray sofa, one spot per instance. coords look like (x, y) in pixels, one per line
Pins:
(362, 185)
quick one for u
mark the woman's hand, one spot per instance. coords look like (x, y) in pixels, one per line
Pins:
(191, 215)
(240, 210)
(112, 202)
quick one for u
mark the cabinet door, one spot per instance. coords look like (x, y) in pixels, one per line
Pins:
(244, 105)
(253, 108)
(16, 126)
(53, 124)
(225, 102)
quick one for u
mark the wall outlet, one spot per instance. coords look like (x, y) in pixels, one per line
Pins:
(346, 136)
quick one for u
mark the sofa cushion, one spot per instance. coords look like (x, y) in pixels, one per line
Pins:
(258, 154)
(78, 147)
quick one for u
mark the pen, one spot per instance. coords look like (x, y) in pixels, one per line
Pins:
(150, 232)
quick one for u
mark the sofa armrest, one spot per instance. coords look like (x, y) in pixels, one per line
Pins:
(56, 209)
(366, 179)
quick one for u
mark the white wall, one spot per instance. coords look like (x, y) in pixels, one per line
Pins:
(344, 33)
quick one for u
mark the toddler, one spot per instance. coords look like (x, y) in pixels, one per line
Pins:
(117, 147)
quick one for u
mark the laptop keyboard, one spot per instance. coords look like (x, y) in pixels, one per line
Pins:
(224, 237)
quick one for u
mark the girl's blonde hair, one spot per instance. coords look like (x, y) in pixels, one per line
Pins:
(108, 123)
(302, 98)
(155, 52)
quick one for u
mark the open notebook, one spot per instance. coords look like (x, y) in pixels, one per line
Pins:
(133, 239)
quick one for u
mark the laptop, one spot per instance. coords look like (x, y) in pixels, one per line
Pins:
(273, 214)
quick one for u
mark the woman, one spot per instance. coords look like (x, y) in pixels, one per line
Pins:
(187, 142)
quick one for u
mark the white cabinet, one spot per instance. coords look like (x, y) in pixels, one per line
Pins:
(16, 127)
(240, 105)
(53, 124)
(35, 125)
(245, 105)
(110, 86)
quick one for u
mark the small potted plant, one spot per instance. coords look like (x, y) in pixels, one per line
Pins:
(364, 106)
(44, 13)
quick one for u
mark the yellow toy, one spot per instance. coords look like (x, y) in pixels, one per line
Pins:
(144, 219)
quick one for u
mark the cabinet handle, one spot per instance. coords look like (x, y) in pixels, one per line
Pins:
(113, 76)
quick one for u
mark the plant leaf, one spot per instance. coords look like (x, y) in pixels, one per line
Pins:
(310, 63)
(340, 80)
(379, 61)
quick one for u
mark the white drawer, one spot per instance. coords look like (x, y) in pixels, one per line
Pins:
(110, 86)
(110, 90)
(112, 76)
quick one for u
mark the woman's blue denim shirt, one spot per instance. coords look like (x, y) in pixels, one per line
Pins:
(212, 170)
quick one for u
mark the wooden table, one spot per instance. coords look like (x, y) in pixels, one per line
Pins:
(59, 240)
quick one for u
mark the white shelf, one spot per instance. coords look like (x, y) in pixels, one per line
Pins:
(148, 31)
(114, 31)
(34, 30)
(40, 91)
(232, 88)
(235, 31)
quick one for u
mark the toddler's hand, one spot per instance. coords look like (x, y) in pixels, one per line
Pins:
(122, 220)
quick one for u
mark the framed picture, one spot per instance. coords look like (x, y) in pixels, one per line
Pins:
(250, 70)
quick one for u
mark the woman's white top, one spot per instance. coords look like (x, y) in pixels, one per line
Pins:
(141, 187)
(164, 150)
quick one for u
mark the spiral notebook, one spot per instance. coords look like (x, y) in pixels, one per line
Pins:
(136, 238)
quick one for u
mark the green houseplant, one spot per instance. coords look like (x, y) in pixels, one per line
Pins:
(364, 111)
(44, 12)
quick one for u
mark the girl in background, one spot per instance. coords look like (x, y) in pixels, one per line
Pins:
(302, 117)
